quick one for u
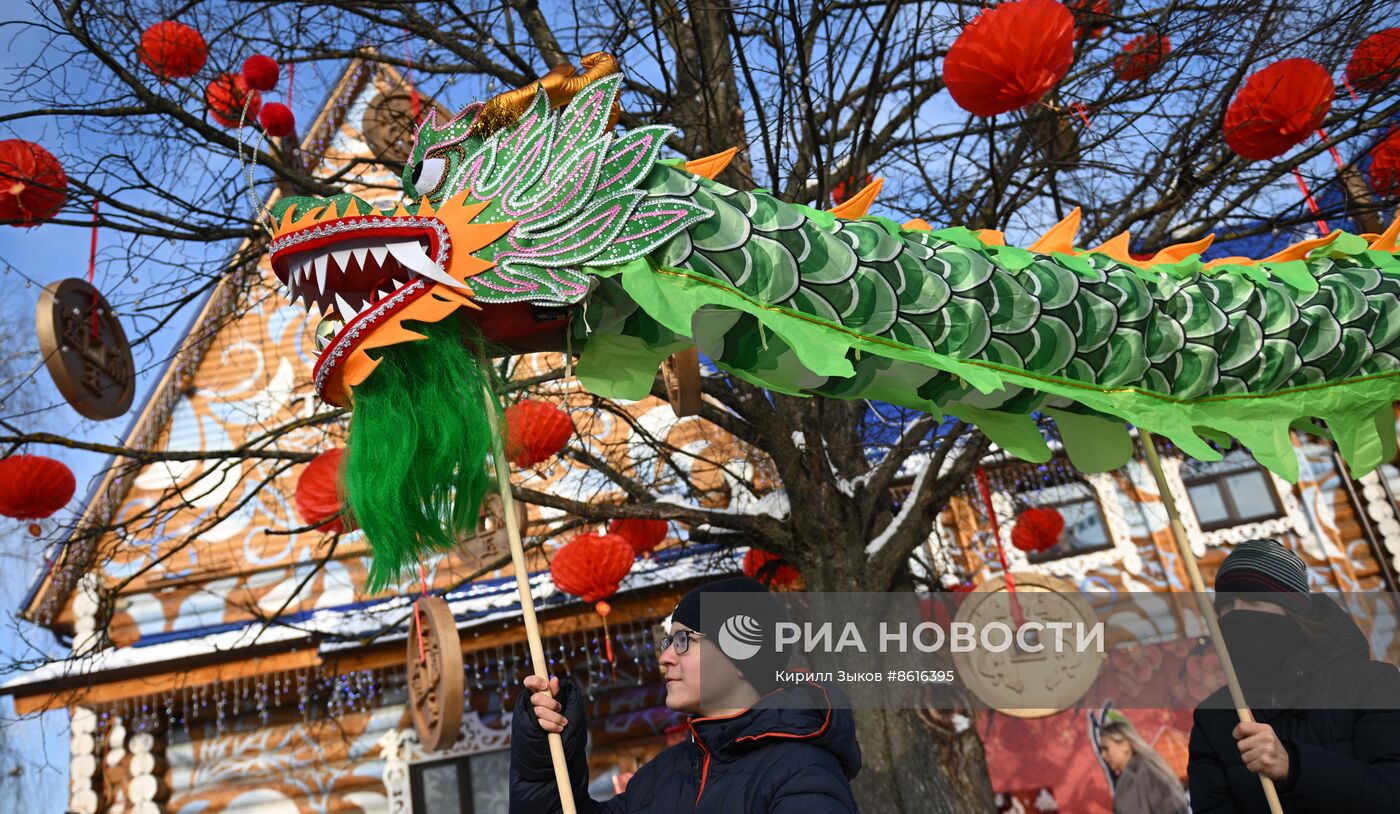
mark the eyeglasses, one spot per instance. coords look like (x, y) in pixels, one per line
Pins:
(681, 639)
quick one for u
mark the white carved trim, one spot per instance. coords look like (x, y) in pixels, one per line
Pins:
(1382, 512)
(86, 602)
(1076, 567)
(401, 748)
(1293, 519)
(82, 765)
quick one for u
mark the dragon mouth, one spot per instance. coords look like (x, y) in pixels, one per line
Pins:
(354, 265)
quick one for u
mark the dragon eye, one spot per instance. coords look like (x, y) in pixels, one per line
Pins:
(428, 174)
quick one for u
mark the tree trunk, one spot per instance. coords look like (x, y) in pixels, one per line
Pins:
(906, 768)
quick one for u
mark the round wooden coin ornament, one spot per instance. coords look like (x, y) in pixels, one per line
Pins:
(85, 349)
(1020, 683)
(435, 680)
(681, 373)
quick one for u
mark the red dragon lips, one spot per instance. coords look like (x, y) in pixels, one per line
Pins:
(371, 272)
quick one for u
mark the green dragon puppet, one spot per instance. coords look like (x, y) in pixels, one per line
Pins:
(529, 219)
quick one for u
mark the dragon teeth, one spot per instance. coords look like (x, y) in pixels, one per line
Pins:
(360, 255)
(342, 259)
(321, 262)
(347, 311)
(410, 253)
(379, 253)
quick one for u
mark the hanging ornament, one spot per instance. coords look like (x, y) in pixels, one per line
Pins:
(277, 120)
(1141, 57)
(642, 535)
(1010, 56)
(1037, 529)
(33, 487)
(436, 691)
(1385, 165)
(592, 566)
(260, 72)
(535, 432)
(85, 348)
(33, 184)
(173, 50)
(1278, 108)
(847, 187)
(1376, 61)
(770, 569)
(227, 95)
(319, 494)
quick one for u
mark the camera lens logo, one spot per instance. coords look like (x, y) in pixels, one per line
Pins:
(741, 637)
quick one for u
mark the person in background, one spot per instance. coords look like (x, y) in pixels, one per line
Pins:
(1146, 784)
(1326, 717)
(751, 749)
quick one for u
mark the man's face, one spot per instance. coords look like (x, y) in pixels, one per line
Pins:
(683, 673)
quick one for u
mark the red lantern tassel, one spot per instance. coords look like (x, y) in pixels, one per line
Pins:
(1336, 156)
(1016, 614)
(604, 609)
(1312, 204)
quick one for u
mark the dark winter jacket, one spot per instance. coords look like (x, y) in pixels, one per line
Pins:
(762, 761)
(1143, 791)
(1345, 758)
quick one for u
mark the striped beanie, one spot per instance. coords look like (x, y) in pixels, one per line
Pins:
(1264, 566)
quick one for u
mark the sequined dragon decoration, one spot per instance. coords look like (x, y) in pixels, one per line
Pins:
(531, 224)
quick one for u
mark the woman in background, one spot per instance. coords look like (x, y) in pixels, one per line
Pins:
(1146, 784)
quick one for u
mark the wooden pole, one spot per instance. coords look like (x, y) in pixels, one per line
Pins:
(527, 600)
(1198, 585)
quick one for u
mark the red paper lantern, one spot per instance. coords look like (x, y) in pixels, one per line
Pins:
(642, 535)
(1376, 61)
(535, 431)
(770, 569)
(32, 183)
(847, 188)
(33, 487)
(319, 494)
(1278, 108)
(592, 566)
(1010, 56)
(1037, 529)
(260, 72)
(277, 120)
(1385, 165)
(226, 96)
(173, 50)
(1141, 57)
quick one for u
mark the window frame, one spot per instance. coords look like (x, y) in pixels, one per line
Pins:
(464, 783)
(1048, 556)
(1227, 497)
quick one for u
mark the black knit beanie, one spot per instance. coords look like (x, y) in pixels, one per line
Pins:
(1264, 567)
(759, 669)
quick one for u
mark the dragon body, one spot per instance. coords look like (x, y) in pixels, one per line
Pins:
(549, 225)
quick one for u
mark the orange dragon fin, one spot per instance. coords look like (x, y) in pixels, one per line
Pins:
(711, 165)
(1060, 238)
(858, 204)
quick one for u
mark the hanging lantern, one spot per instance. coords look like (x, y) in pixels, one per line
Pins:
(1376, 61)
(591, 567)
(32, 183)
(642, 535)
(1385, 165)
(770, 569)
(226, 97)
(33, 487)
(1010, 56)
(1278, 108)
(173, 50)
(1037, 529)
(1141, 57)
(260, 72)
(535, 432)
(319, 494)
(277, 120)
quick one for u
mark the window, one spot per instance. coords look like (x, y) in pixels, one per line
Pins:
(1086, 530)
(478, 784)
(1230, 492)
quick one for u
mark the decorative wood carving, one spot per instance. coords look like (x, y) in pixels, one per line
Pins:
(681, 373)
(85, 349)
(436, 694)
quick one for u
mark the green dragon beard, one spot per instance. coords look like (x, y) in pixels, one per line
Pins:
(415, 472)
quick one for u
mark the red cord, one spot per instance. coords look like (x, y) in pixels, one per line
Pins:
(1336, 156)
(1016, 614)
(1349, 90)
(423, 582)
(1312, 204)
(1080, 109)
